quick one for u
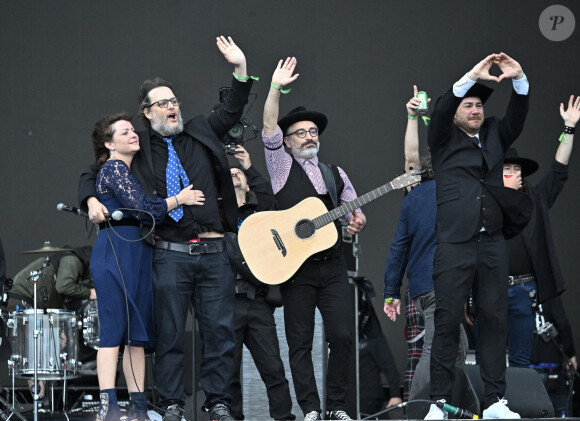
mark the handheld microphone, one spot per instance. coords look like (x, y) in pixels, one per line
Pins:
(461, 413)
(116, 215)
(79, 212)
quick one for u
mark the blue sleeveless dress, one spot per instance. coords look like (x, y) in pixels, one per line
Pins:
(121, 263)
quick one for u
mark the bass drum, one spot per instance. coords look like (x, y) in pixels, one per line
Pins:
(57, 344)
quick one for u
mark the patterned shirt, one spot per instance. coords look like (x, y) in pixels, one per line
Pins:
(279, 162)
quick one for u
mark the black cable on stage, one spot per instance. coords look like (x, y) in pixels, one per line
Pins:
(461, 413)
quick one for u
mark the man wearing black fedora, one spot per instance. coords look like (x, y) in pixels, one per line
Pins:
(467, 152)
(535, 275)
(323, 281)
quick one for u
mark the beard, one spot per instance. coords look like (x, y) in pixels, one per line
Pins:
(303, 152)
(161, 126)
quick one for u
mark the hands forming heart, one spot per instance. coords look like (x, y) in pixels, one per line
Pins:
(510, 68)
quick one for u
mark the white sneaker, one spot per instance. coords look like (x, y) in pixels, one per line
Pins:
(501, 411)
(337, 415)
(435, 413)
(312, 416)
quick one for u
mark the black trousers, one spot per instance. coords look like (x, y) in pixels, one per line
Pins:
(479, 264)
(255, 327)
(322, 284)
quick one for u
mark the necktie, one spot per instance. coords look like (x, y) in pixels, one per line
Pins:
(174, 174)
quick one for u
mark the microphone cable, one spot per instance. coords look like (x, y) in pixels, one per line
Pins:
(128, 346)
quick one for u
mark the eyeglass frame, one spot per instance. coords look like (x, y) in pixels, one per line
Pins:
(174, 101)
(305, 131)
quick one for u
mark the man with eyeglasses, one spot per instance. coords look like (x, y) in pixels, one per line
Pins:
(323, 281)
(190, 263)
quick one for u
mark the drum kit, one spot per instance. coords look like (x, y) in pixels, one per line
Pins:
(45, 342)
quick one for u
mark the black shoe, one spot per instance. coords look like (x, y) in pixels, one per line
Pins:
(173, 413)
(220, 412)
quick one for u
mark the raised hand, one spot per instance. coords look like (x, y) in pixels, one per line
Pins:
(510, 68)
(572, 114)
(231, 52)
(283, 73)
(481, 70)
(413, 103)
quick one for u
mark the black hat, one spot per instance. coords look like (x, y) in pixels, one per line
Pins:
(529, 166)
(301, 114)
(480, 91)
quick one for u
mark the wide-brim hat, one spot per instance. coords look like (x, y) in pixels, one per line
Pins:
(480, 91)
(302, 114)
(529, 166)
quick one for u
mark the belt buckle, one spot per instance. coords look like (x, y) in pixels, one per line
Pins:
(194, 250)
(511, 280)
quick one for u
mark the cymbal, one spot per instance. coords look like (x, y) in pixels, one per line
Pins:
(46, 249)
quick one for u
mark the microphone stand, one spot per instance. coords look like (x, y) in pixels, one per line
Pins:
(34, 275)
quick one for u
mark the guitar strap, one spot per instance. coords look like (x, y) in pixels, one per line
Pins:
(328, 178)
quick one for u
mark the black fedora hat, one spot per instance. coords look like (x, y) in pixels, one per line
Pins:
(480, 91)
(529, 166)
(302, 114)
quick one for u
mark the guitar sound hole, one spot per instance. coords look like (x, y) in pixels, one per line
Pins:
(305, 229)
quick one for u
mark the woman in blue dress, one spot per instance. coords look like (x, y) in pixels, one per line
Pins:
(121, 265)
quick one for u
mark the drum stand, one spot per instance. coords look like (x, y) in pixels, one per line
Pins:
(6, 404)
(34, 275)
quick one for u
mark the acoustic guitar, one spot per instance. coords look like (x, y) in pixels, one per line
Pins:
(275, 244)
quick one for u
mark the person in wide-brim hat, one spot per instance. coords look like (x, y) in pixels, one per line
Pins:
(302, 114)
(528, 166)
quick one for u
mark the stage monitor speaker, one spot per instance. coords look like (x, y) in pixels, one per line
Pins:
(525, 392)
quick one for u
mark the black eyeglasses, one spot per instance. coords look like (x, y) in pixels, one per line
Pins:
(302, 133)
(163, 103)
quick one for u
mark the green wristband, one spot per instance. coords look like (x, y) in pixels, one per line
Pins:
(410, 117)
(284, 91)
(389, 300)
(243, 79)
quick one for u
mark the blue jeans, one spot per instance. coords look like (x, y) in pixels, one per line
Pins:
(521, 323)
(207, 283)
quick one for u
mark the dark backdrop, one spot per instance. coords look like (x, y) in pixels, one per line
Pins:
(64, 64)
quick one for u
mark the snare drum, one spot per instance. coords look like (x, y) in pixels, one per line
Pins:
(57, 344)
(91, 327)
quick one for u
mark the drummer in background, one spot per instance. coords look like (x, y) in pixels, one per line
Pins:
(121, 264)
(62, 284)
(65, 281)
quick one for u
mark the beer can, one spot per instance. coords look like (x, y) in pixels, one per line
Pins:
(424, 105)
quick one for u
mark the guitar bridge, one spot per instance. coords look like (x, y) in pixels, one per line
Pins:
(278, 241)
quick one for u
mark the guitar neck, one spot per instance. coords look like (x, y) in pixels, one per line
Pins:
(336, 213)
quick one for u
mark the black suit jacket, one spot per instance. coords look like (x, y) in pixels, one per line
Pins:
(207, 130)
(464, 171)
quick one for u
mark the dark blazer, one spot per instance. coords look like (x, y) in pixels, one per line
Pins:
(538, 233)
(463, 169)
(206, 130)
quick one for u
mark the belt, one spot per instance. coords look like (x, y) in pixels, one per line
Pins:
(193, 249)
(521, 279)
(122, 223)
